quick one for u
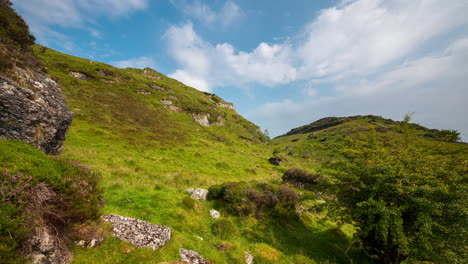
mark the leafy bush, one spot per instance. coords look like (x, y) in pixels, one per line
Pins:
(406, 204)
(224, 229)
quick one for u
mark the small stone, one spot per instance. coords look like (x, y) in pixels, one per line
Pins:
(199, 194)
(92, 243)
(80, 243)
(275, 160)
(248, 257)
(214, 213)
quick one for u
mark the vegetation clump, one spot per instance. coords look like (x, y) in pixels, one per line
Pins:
(224, 229)
(50, 193)
(301, 178)
(405, 203)
(15, 41)
(243, 198)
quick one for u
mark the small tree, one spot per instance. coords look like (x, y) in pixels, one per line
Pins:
(404, 203)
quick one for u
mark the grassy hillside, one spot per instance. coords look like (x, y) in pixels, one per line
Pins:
(310, 146)
(147, 154)
(149, 137)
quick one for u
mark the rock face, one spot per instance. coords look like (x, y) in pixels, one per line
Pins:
(199, 194)
(79, 75)
(203, 119)
(137, 232)
(226, 105)
(37, 115)
(45, 245)
(192, 257)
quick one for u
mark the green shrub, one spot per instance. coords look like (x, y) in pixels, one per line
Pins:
(405, 203)
(301, 178)
(224, 229)
(243, 198)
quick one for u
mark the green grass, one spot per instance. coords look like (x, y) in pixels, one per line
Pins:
(147, 155)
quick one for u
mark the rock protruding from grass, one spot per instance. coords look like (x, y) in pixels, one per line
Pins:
(34, 111)
(79, 75)
(138, 232)
(192, 257)
(199, 194)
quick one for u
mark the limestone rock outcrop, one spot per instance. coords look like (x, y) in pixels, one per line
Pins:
(34, 112)
(199, 194)
(192, 257)
(138, 232)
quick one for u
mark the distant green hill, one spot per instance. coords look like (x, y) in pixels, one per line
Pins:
(311, 145)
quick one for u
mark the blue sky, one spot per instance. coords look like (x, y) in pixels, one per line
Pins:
(282, 63)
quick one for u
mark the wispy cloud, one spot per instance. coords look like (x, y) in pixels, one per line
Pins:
(433, 86)
(44, 16)
(139, 63)
(224, 17)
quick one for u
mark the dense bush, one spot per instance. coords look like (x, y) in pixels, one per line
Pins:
(406, 204)
(301, 178)
(243, 198)
(15, 41)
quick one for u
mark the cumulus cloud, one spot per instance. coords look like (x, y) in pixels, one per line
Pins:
(139, 63)
(360, 37)
(43, 16)
(367, 56)
(225, 17)
(221, 64)
(434, 87)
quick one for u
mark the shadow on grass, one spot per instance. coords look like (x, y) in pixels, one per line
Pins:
(317, 242)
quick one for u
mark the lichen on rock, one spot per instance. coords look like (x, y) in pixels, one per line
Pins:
(35, 112)
(138, 232)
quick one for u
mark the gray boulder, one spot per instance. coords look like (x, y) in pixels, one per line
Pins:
(192, 257)
(199, 194)
(138, 232)
(36, 113)
(214, 213)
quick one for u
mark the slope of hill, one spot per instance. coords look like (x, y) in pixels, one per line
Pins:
(311, 145)
(151, 137)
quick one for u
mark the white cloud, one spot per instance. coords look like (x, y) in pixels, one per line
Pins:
(139, 63)
(220, 65)
(360, 37)
(225, 17)
(368, 56)
(43, 15)
(310, 91)
(434, 87)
